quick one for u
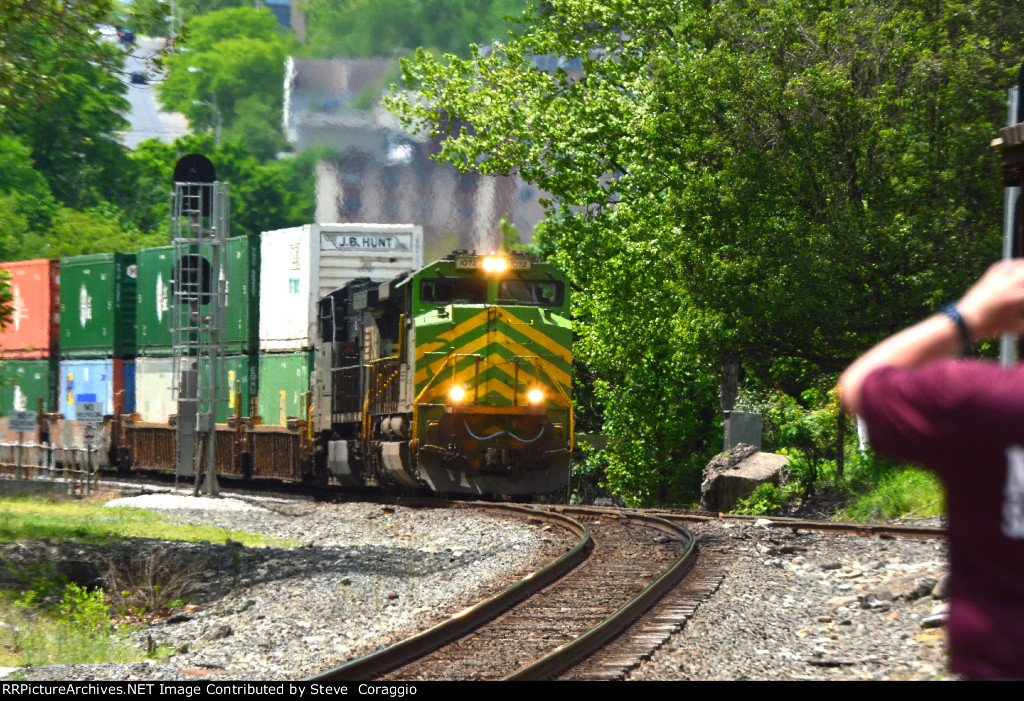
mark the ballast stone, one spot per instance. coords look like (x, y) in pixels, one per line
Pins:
(735, 474)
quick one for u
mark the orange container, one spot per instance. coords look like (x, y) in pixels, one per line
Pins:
(33, 330)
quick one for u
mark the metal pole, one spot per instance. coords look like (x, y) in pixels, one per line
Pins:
(1008, 341)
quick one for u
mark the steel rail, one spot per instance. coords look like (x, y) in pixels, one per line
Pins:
(598, 636)
(864, 529)
(461, 623)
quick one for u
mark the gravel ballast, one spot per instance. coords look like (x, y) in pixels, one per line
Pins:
(812, 605)
(362, 576)
(801, 605)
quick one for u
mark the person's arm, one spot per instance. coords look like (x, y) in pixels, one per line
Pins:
(994, 304)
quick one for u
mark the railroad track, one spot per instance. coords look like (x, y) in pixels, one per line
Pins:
(621, 565)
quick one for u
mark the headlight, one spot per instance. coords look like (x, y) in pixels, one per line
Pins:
(457, 394)
(535, 396)
(494, 265)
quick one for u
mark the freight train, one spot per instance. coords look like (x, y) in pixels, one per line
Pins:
(455, 377)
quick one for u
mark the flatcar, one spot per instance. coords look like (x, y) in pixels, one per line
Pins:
(455, 377)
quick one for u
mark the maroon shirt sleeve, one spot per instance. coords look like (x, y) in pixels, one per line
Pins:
(920, 414)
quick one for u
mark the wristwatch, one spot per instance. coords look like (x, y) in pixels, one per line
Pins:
(953, 312)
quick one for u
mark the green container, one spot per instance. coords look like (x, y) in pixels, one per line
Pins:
(241, 276)
(97, 306)
(23, 381)
(240, 369)
(284, 381)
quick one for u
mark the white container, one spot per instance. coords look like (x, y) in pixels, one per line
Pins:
(300, 265)
(154, 397)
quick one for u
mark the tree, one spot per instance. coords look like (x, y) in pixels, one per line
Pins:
(233, 69)
(73, 136)
(38, 33)
(389, 27)
(28, 192)
(264, 196)
(780, 182)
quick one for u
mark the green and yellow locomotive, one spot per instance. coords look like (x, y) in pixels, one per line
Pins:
(456, 377)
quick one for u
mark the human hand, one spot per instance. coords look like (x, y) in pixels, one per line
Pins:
(995, 304)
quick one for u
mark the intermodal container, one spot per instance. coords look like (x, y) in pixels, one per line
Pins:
(97, 306)
(154, 298)
(283, 383)
(240, 374)
(156, 395)
(300, 265)
(95, 380)
(24, 382)
(33, 331)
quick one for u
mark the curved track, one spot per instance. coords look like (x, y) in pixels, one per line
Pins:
(633, 560)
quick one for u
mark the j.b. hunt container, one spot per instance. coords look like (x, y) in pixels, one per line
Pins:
(155, 297)
(97, 306)
(300, 265)
(33, 330)
(156, 400)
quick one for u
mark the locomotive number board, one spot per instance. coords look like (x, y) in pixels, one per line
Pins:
(476, 262)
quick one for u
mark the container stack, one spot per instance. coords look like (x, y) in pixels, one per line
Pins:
(29, 340)
(87, 328)
(97, 332)
(156, 398)
(300, 265)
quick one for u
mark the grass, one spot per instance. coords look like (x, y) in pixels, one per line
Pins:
(76, 631)
(872, 490)
(38, 519)
(898, 493)
(47, 620)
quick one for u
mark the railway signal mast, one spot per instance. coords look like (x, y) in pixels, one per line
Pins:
(199, 229)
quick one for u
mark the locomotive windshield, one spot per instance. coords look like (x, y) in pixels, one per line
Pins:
(453, 291)
(547, 293)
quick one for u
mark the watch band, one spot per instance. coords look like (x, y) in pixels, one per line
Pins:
(953, 312)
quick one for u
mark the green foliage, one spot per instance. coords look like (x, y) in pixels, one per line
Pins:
(72, 134)
(85, 610)
(153, 17)
(65, 179)
(264, 195)
(76, 630)
(29, 193)
(784, 183)
(363, 28)
(233, 71)
(884, 491)
(42, 39)
(766, 499)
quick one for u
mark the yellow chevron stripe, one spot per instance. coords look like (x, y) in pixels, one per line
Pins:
(537, 335)
(465, 327)
(495, 384)
(440, 392)
(446, 337)
(557, 374)
(549, 368)
(428, 347)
